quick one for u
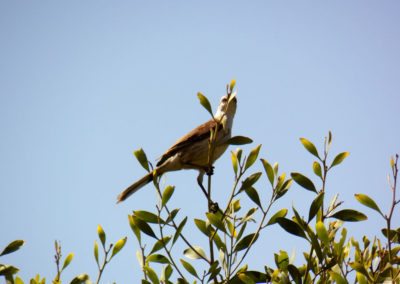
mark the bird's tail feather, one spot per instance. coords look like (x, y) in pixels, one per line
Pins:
(135, 187)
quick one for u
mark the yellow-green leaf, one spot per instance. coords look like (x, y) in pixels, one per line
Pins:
(148, 217)
(310, 147)
(252, 157)
(239, 140)
(216, 220)
(317, 169)
(102, 235)
(160, 244)
(322, 233)
(246, 242)
(204, 102)
(189, 268)
(280, 214)
(169, 190)
(367, 201)
(269, 171)
(96, 252)
(304, 181)
(143, 226)
(159, 258)
(142, 158)
(13, 246)
(349, 215)
(67, 260)
(118, 246)
(339, 158)
(195, 253)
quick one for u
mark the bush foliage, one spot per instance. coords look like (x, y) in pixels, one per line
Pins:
(332, 256)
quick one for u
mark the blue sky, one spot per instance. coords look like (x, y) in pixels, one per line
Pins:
(84, 83)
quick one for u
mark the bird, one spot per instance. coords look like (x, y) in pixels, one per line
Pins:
(192, 151)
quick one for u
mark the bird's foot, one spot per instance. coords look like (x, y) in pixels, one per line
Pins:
(209, 170)
(213, 207)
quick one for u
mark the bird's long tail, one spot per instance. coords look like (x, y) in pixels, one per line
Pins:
(135, 187)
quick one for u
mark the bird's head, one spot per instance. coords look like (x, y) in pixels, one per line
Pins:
(227, 106)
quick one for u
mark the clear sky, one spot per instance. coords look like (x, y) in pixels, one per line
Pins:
(84, 83)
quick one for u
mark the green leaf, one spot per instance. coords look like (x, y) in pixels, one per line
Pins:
(349, 215)
(291, 227)
(317, 169)
(169, 190)
(189, 268)
(143, 226)
(8, 270)
(281, 260)
(160, 244)
(337, 278)
(159, 258)
(239, 140)
(205, 103)
(235, 162)
(280, 214)
(339, 159)
(216, 220)
(96, 252)
(148, 217)
(13, 246)
(252, 157)
(80, 279)
(172, 215)
(139, 257)
(134, 227)
(67, 260)
(202, 226)
(245, 279)
(102, 235)
(250, 181)
(253, 195)
(315, 206)
(315, 245)
(394, 235)
(359, 267)
(368, 201)
(142, 158)
(249, 215)
(179, 230)
(269, 171)
(246, 242)
(322, 233)
(294, 273)
(166, 273)
(195, 253)
(118, 246)
(304, 181)
(310, 147)
(151, 274)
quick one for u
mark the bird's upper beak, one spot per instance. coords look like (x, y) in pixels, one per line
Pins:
(232, 97)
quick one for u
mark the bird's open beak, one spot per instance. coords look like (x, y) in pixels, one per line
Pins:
(232, 97)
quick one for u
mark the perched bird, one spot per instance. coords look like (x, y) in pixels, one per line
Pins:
(192, 150)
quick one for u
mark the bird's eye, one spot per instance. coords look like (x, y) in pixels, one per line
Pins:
(224, 99)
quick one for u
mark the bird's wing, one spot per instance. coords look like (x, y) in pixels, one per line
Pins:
(199, 133)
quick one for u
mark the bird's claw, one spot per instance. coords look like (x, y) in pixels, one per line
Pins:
(210, 170)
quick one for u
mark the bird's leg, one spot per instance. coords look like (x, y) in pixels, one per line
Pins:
(213, 206)
(200, 183)
(209, 170)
